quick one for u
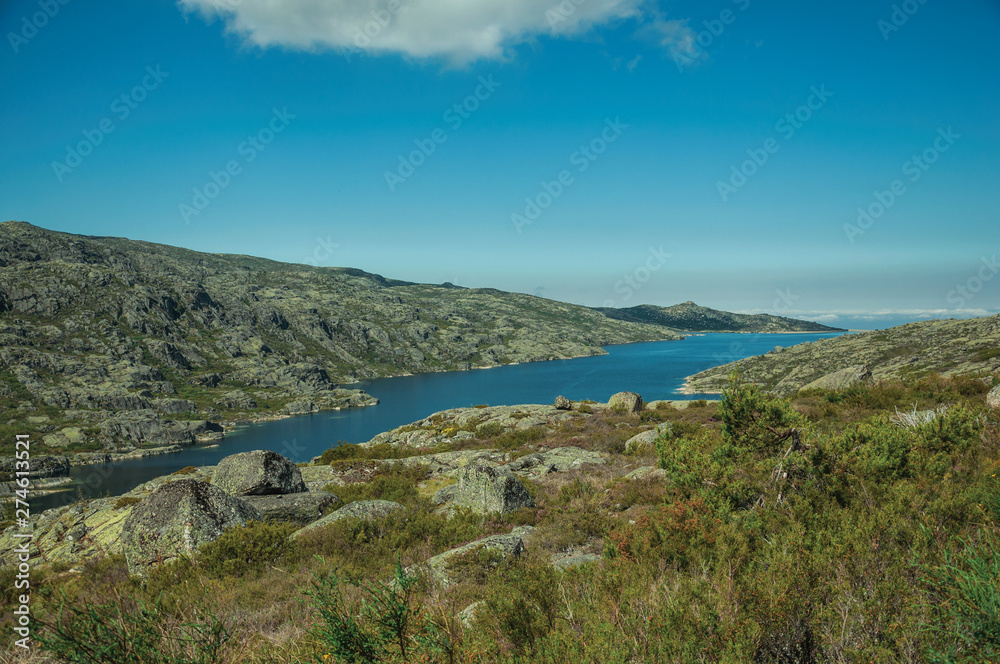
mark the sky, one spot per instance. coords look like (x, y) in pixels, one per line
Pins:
(836, 162)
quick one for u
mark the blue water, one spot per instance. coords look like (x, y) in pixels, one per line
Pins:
(656, 370)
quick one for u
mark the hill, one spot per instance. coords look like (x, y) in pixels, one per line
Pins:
(110, 342)
(689, 317)
(947, 347)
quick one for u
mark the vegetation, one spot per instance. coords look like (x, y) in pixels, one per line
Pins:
(825, 527)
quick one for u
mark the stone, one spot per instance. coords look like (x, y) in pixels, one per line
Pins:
(563, 564)
(176, 519)
(839, 380)
(644, 442)
(467, 616)
(646, 472)
(498, 548)
(993, 398)
(628, 402)
(257, 473)
(369, 510)
(444, 495)
(301, 508)
(562, 403)
(485, 488)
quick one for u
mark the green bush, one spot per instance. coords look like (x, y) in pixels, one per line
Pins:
(755, 420)
(122, 632)
(245, 550)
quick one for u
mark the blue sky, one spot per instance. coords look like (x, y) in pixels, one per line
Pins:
(602, 152)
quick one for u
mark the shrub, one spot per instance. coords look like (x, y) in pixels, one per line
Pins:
(755, 420)
(246, 550)
(123, 632)
(186, 470)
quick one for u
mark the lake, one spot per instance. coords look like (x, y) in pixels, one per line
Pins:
(656, 370)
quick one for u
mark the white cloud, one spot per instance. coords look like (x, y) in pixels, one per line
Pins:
(677, 37)
(460, 30)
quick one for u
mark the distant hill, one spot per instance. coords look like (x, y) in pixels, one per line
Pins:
(943, 346)
(109, 340)
(689, 317)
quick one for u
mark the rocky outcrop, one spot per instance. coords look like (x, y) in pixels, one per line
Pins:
(126, 323)
(40, 466)
(301, 508)
(841, 379)
(178, 518)
(562, 403)
(368, 510)
(644, 442)
(257, 473)
(486, 488)
(626, 402)
(948, 347)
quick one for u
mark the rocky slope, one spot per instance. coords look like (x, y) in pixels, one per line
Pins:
(689, 317)
(108, 343)
(943, 346)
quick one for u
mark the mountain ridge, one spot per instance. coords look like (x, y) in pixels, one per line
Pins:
(691, 317)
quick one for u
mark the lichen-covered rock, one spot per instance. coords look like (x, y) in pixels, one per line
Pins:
(369, 510)
(562, 403)
(178, 518)
(993, 398)
(643, 442)
(575, 560)
(257, 473)
(628, 402)
(303, 508)
(488, 552)
(486, 487)
(841, 379)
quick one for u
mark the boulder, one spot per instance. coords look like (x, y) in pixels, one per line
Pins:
(369, 510)
(562, 403)
(628, 402)
(839, 380)
(485, 487)
(562, 564)
(993, 398)
(487, 552)
(258, 473)
(302, 508)
(644, 441)
(176, 519)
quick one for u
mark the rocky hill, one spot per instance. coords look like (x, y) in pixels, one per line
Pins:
(944, 346)
(690, 317)
(112, 343)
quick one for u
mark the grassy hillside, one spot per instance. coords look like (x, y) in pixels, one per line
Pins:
(111, 342)
(821, 529)
(943, 346)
